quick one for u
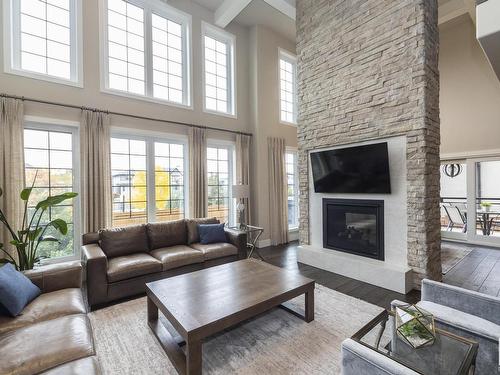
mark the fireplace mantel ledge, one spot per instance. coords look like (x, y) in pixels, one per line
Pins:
(380, 273)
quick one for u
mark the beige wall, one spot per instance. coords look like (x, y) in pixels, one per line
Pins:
(91, 96)
(470, 92)
(264, 63)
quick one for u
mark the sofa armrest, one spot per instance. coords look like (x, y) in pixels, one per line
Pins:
(238, 239)
(58, 276)
(357, 359)
(468, 301)
(96, 267)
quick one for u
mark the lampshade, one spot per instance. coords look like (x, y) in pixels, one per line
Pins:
(241, 191)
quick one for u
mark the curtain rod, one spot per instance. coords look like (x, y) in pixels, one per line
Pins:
(23, 98)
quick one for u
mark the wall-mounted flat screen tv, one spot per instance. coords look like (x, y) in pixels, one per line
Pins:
(359, 170)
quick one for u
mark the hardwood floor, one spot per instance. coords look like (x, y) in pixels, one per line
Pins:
(479, 271)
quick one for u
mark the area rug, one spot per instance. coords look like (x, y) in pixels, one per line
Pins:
(275, 342)
(451, 255)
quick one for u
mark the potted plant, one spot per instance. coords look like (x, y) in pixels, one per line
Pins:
(33, 232)
(486, 206)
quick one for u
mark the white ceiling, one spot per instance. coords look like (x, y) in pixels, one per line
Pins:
(258, 12)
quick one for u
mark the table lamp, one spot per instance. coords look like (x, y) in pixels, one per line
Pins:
(240, 192)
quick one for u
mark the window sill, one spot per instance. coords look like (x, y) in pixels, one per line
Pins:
(43, 77)
(294, 124)
(224, 114)
(128, 95)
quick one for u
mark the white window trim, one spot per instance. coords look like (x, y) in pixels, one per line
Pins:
(222, 35)
(11, 40)
(49, 124)
(294, 150)
(150, 139)
(164, 10)
(231, 147)
(291, 58)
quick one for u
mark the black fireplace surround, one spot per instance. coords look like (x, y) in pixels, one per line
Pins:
(354, 226)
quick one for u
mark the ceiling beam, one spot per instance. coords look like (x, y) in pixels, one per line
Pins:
(284, 7)
(456, 8)
(228, 11)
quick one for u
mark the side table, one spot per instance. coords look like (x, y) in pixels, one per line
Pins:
(253, 234)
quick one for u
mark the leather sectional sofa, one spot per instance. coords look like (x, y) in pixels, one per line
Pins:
(120, 261)
(53, 335)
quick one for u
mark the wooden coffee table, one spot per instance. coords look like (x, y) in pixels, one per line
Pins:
(202, 303)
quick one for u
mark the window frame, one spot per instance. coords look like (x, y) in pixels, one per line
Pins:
(73, 127)
(164, 10)
(230, 146)
(292, 59)
(296, 195)
(229, 39)
(150, 140)
(12, 45)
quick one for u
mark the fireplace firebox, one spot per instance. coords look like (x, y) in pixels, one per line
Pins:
(354, 226)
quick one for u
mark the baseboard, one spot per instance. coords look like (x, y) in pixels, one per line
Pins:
(264, 243)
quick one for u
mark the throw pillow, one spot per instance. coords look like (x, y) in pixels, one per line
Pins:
(211, 233)
(192, 228)
(16, 290)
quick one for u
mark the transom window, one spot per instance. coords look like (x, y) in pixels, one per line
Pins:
(44, 41)
(292, 189)
(220, 180)
(49, 155)
(147, 179)
(288, 88)
(147, 50)
(218, 49)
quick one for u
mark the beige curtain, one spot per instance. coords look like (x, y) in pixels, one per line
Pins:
(198, 199)
(278, 197)
(243, 169)
(11, 166)
(96, 171)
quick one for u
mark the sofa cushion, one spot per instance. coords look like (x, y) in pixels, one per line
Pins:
(129, 266)
(193, 236)
(117, 242)
(16, 290)
(84, 366)
(167, 234)
(215, 250)
(47, 306)
(177, 256)
(42, 346)
(211, 233)
(461, 320)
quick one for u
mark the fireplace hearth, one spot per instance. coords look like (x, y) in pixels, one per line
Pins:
(354, 226)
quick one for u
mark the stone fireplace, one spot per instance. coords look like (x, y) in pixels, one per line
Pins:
(354, 226)
(368, 72)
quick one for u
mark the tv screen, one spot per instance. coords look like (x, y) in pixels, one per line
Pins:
(361, 170)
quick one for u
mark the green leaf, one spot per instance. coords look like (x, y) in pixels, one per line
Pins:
(33, 234)
(25, 194)
(60, 225)
(5, 261)
(1, 192)
(48, 239)
(55, 200)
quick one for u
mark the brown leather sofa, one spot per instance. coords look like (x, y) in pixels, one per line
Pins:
(53, 335)
(120, 261)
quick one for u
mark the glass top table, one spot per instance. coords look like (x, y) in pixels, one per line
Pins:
(449, 355)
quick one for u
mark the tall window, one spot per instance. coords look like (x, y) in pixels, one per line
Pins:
(293, 190)
(147, 50)
(44, 41)
(288, 88)
(169, 181)
(50, 156)
(218, 50)
(220, 180)
(148, 180)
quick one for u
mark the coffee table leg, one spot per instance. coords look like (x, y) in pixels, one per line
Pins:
(193, 357)
(309, 310)
(152, 311)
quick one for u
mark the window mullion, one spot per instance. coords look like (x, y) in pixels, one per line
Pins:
(148, 51)
(150, 178)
